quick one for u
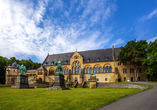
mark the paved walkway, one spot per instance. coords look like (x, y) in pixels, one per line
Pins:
(146, 100)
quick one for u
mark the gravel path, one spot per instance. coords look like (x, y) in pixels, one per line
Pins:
(146, 100)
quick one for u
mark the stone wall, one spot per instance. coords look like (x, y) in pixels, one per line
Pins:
(114, 85)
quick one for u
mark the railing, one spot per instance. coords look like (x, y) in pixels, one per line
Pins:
(50, 78)
(83, 83)
(75, 84)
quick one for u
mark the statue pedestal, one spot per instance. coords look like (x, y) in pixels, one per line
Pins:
(22, 82)
(92, 83)
(59, 83)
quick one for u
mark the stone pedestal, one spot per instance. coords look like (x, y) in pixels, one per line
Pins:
(92, 83)
(22, 82)
(59, 83)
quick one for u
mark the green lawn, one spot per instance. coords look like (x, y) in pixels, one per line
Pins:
(74, 99)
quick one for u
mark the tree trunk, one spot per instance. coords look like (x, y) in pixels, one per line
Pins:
(136, 73)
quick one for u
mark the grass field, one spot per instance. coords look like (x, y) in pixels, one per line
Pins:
(73, 99)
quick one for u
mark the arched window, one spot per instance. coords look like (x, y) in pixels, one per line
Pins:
(79, 70)
(73, 70)
(84, 70)
(103, 69)
(87, 69)
(51, 71)
(91, 69)
(110, 69)
(106, 69)
(99, 69)
(76, 67)
(65, 71)
(94, 69)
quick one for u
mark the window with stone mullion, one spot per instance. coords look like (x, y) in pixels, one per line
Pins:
(99, 69)
(76, 70)
(103, 69)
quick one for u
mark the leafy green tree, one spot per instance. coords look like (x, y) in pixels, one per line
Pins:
(2, 69)
(151, 60)
(11, 60)
(133, 52)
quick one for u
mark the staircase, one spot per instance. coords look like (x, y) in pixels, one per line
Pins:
(51, 81)
(79, 86)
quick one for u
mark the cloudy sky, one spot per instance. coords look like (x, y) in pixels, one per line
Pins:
(30, 29)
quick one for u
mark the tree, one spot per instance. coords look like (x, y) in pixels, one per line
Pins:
(133, 52)
(2, 69)
(11, 60)
(151, 60)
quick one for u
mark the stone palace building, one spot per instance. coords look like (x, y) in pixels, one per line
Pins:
(78, 65)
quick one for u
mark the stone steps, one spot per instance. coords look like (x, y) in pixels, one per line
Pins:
(79, 86)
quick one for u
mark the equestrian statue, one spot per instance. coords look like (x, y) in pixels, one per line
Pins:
(59, 67)
(22, 68)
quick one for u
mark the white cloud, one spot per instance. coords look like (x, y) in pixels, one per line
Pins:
(22, 36)
(117, 42)
(152, 39)
(149, 16)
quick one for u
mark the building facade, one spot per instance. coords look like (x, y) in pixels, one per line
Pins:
(78, 65)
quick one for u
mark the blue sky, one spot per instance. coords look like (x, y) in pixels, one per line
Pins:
(30, 29)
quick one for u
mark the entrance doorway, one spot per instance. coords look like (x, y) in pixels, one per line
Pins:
(131, 78)
(119, 79)
(13, 81)
(40, 80)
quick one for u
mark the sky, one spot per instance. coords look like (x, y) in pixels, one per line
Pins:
(30, 29)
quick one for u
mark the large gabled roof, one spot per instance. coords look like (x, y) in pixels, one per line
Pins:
(88, 56)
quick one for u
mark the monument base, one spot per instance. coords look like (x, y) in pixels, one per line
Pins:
(92, 83)
(22, 82)
(59, 83)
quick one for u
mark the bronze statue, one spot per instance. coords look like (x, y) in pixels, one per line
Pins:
(59, 67)
(22, 68)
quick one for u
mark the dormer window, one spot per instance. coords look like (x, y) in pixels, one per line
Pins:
(53, 62)
(46, 63)
(66, 62)
(88, 60)
(98, 59)
(107, 58)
